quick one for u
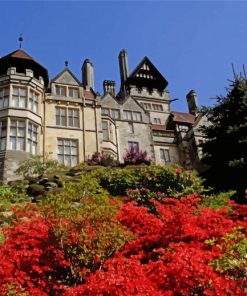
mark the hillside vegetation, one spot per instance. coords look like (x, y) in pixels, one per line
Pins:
(138, 230)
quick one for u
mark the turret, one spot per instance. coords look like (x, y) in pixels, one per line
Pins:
(192, 102)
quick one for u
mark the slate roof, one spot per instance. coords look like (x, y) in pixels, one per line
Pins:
(183, 117)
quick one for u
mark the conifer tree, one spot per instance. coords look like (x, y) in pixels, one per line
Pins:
(226, 149)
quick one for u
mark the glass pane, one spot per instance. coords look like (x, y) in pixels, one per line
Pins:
(73, 143)
(67, 160)
(70, 92)
(22, 92)
(4, 132)
(70, 121)
(6, 102)
(1, 92)
(35, 137)
(22, 102)
(60, 150)
(35, 107)
(21, 132)
(62, 91)
(70, 112)
(29, 134)
(73, 151)
(1, 102)
(60, 158)
(12, 143)
(76, 93)
(29, 146)
(3, 144)
(76, 122)
(66, 142)
(63, 121)
(15, 90)
(21, 123)
(74, 160)
(34, 148)
(12, 131)
(15, 101)
(67, 150)
(30, 104)
(20, 144)
(60, 142)
(62, 112)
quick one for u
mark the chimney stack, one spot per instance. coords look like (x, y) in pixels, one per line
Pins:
(192, 102)
(124, 68)
(88, 74)
(109, 87)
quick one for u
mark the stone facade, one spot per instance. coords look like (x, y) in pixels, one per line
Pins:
(67, 120)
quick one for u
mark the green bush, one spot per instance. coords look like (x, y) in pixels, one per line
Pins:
(172, 181)
(36, 166)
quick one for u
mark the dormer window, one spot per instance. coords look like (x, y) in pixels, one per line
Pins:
(60, 90)
(73, 92)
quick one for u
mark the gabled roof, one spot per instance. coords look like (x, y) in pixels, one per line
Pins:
(19, 53)
(183, 117)
(147, 75)
(69, 72)
(22, 61)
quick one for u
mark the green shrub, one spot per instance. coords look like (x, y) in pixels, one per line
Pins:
(171, 180)
(37, 166)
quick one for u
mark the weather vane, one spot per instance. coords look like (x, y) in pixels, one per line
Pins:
(21, 40)
(66, 63)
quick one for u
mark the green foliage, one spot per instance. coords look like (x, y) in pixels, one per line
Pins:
(217, 201)
(225, 150)
(234, 258)
(87, 207)
(36, 166)
(170, 180)
(9, 197)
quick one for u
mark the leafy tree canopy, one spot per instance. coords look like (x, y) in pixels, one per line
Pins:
(226, 149)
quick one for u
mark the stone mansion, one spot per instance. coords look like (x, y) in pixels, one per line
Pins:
(66, 119)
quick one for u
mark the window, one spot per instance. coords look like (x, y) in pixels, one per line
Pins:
(115, 114)
(127, 115)
(131, 127)
(73, 117)
(133, 147)
(33, 101)
(3, 134)
(183, 128)
(60, 116)
(165, 155)
(157, 107)
(157, 121)
(32, 138)
(73, 92)
(17, 135)
(105, 129)
(147, 106)
(19, 97)
(67, 152)
(137, 116)
(4, 97)
(60, 90)
(105, 111)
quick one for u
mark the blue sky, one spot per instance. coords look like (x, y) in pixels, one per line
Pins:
(191, 43)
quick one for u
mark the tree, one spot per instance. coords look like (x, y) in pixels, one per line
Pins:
(226, 149)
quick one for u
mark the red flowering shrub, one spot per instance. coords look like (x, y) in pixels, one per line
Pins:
(85, 248)
(174, 253)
